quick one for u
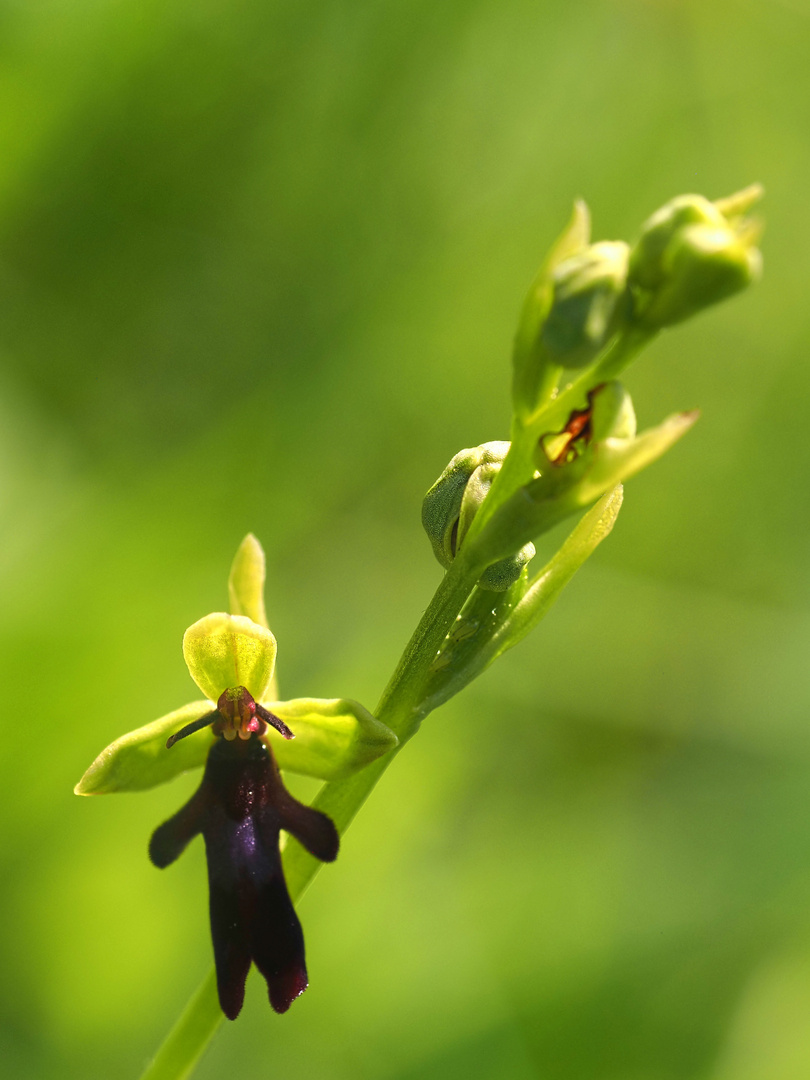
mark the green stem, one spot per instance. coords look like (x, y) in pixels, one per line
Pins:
(340, 799)
(186, 1042)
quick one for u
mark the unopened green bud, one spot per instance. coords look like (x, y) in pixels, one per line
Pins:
(558, 492)
(535, 371)
(609, 414)
(693, 253)
(647, 259)
(588, 290)
(441, 506)
(705, 265)
(451, 504)
(612, 412)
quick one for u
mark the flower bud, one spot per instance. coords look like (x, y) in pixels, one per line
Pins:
(588, 290)
(612, 412)
(693, 253)
(535, 372)
(451, 504)
(597, 449)
(609, 414)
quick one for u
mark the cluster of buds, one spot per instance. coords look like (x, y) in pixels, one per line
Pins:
(589, 310)
(691, 254)
(596, 450)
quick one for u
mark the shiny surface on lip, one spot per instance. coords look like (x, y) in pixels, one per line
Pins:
(260, 265)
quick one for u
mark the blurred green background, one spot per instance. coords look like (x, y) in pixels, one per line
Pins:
(260, 263)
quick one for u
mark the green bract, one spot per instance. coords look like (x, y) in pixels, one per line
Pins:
(334, 738)
(574, 470)
(485, 630)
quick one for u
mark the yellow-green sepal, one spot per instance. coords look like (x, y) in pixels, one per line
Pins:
(334, 737)
(224, 651)
(140, 760)
(246, 581)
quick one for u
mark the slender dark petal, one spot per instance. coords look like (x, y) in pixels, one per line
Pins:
(274, 721)
(277, 944)
(189, 729)
(232, 953)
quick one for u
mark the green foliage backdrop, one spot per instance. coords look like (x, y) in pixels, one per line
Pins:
(260, 264)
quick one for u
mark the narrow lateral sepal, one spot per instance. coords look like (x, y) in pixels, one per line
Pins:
(334, 737)
(139, 760)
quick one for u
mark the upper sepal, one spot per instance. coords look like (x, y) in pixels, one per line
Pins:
(223, 651)
(246, 581)
(140, 760)
(333, 737)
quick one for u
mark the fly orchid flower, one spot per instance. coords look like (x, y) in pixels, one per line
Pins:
(243, 736)
(240, 808)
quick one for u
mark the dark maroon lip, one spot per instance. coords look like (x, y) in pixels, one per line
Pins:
(240, 808)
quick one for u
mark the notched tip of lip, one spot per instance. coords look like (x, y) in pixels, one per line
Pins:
(230, 1011)
(285, 988)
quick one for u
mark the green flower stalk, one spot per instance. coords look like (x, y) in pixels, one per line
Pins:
(590, 311)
